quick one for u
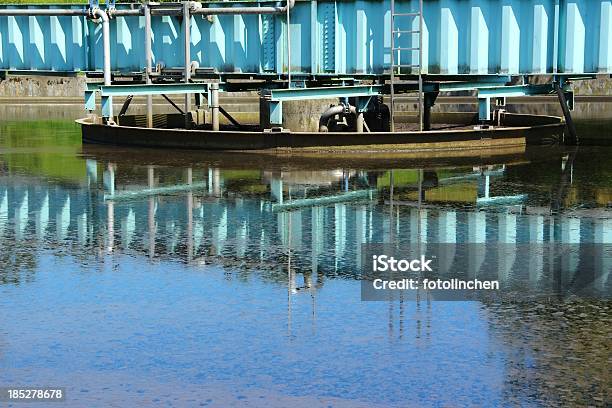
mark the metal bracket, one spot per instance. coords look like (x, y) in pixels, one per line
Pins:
(276, 112)
(362, 103)
(485, 95)
(484, 108)
(90, 100)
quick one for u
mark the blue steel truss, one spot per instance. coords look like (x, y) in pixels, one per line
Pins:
(352, 37)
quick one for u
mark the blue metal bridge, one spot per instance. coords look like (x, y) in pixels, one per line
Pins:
(355, 49)
(476, 37)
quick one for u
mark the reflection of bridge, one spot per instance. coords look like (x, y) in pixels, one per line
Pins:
(200, 226)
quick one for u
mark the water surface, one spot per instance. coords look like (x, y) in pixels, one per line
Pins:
(231, 284)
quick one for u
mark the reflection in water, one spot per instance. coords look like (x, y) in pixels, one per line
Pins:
(569, 345)
(296, 230)
(315, 222)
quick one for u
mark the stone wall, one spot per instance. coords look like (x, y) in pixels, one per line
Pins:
(42, 86)
(72, 87)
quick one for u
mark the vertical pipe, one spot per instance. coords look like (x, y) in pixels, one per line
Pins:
(360, 121)
(572, 140)
(561, 36)
(107, 58)
(187, 46)
(391, 187)
(106, 45)
(214, 105)
(392, 77)
(147, 17)
(420, 65)
(289, 49)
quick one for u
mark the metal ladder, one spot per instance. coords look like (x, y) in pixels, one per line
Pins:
(398, 65)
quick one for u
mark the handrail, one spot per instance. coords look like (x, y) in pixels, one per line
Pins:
(196, 8)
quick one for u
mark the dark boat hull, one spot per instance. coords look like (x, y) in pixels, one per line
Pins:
(534, 129)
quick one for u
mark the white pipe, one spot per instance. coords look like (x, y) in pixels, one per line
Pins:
(125, 12)
(98, 13)
(147, 17)
(209, 11)
(187, 51)
(214, 105)
(101, 14)
(165, 9)
(287, 9)
(44, 12)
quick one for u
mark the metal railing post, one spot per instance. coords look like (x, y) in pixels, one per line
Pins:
(288, 48)
(187, 46)
(392, 102)
(147, 17)
(214, 105)
(420, 65)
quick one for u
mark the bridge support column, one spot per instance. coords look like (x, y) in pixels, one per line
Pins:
(213, 101)
(187, 48)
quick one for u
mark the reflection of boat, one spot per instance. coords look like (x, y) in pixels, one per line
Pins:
(532, 129)
(304, 162)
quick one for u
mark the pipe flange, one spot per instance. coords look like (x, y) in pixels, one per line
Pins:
(193, 67)
(91, 13)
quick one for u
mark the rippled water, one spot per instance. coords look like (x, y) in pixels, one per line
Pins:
(135, 277)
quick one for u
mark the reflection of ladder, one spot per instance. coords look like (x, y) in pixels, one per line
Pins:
(396, 64)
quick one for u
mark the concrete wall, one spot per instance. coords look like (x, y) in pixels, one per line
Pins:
(42, 86)
(72, 87)
(34, 97)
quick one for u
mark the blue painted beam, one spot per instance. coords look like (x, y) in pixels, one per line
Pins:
(516, 90)
(90, 100)
(492, 82)
(276, 112)
(153, 89)
(485, 95)
(296, 94)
